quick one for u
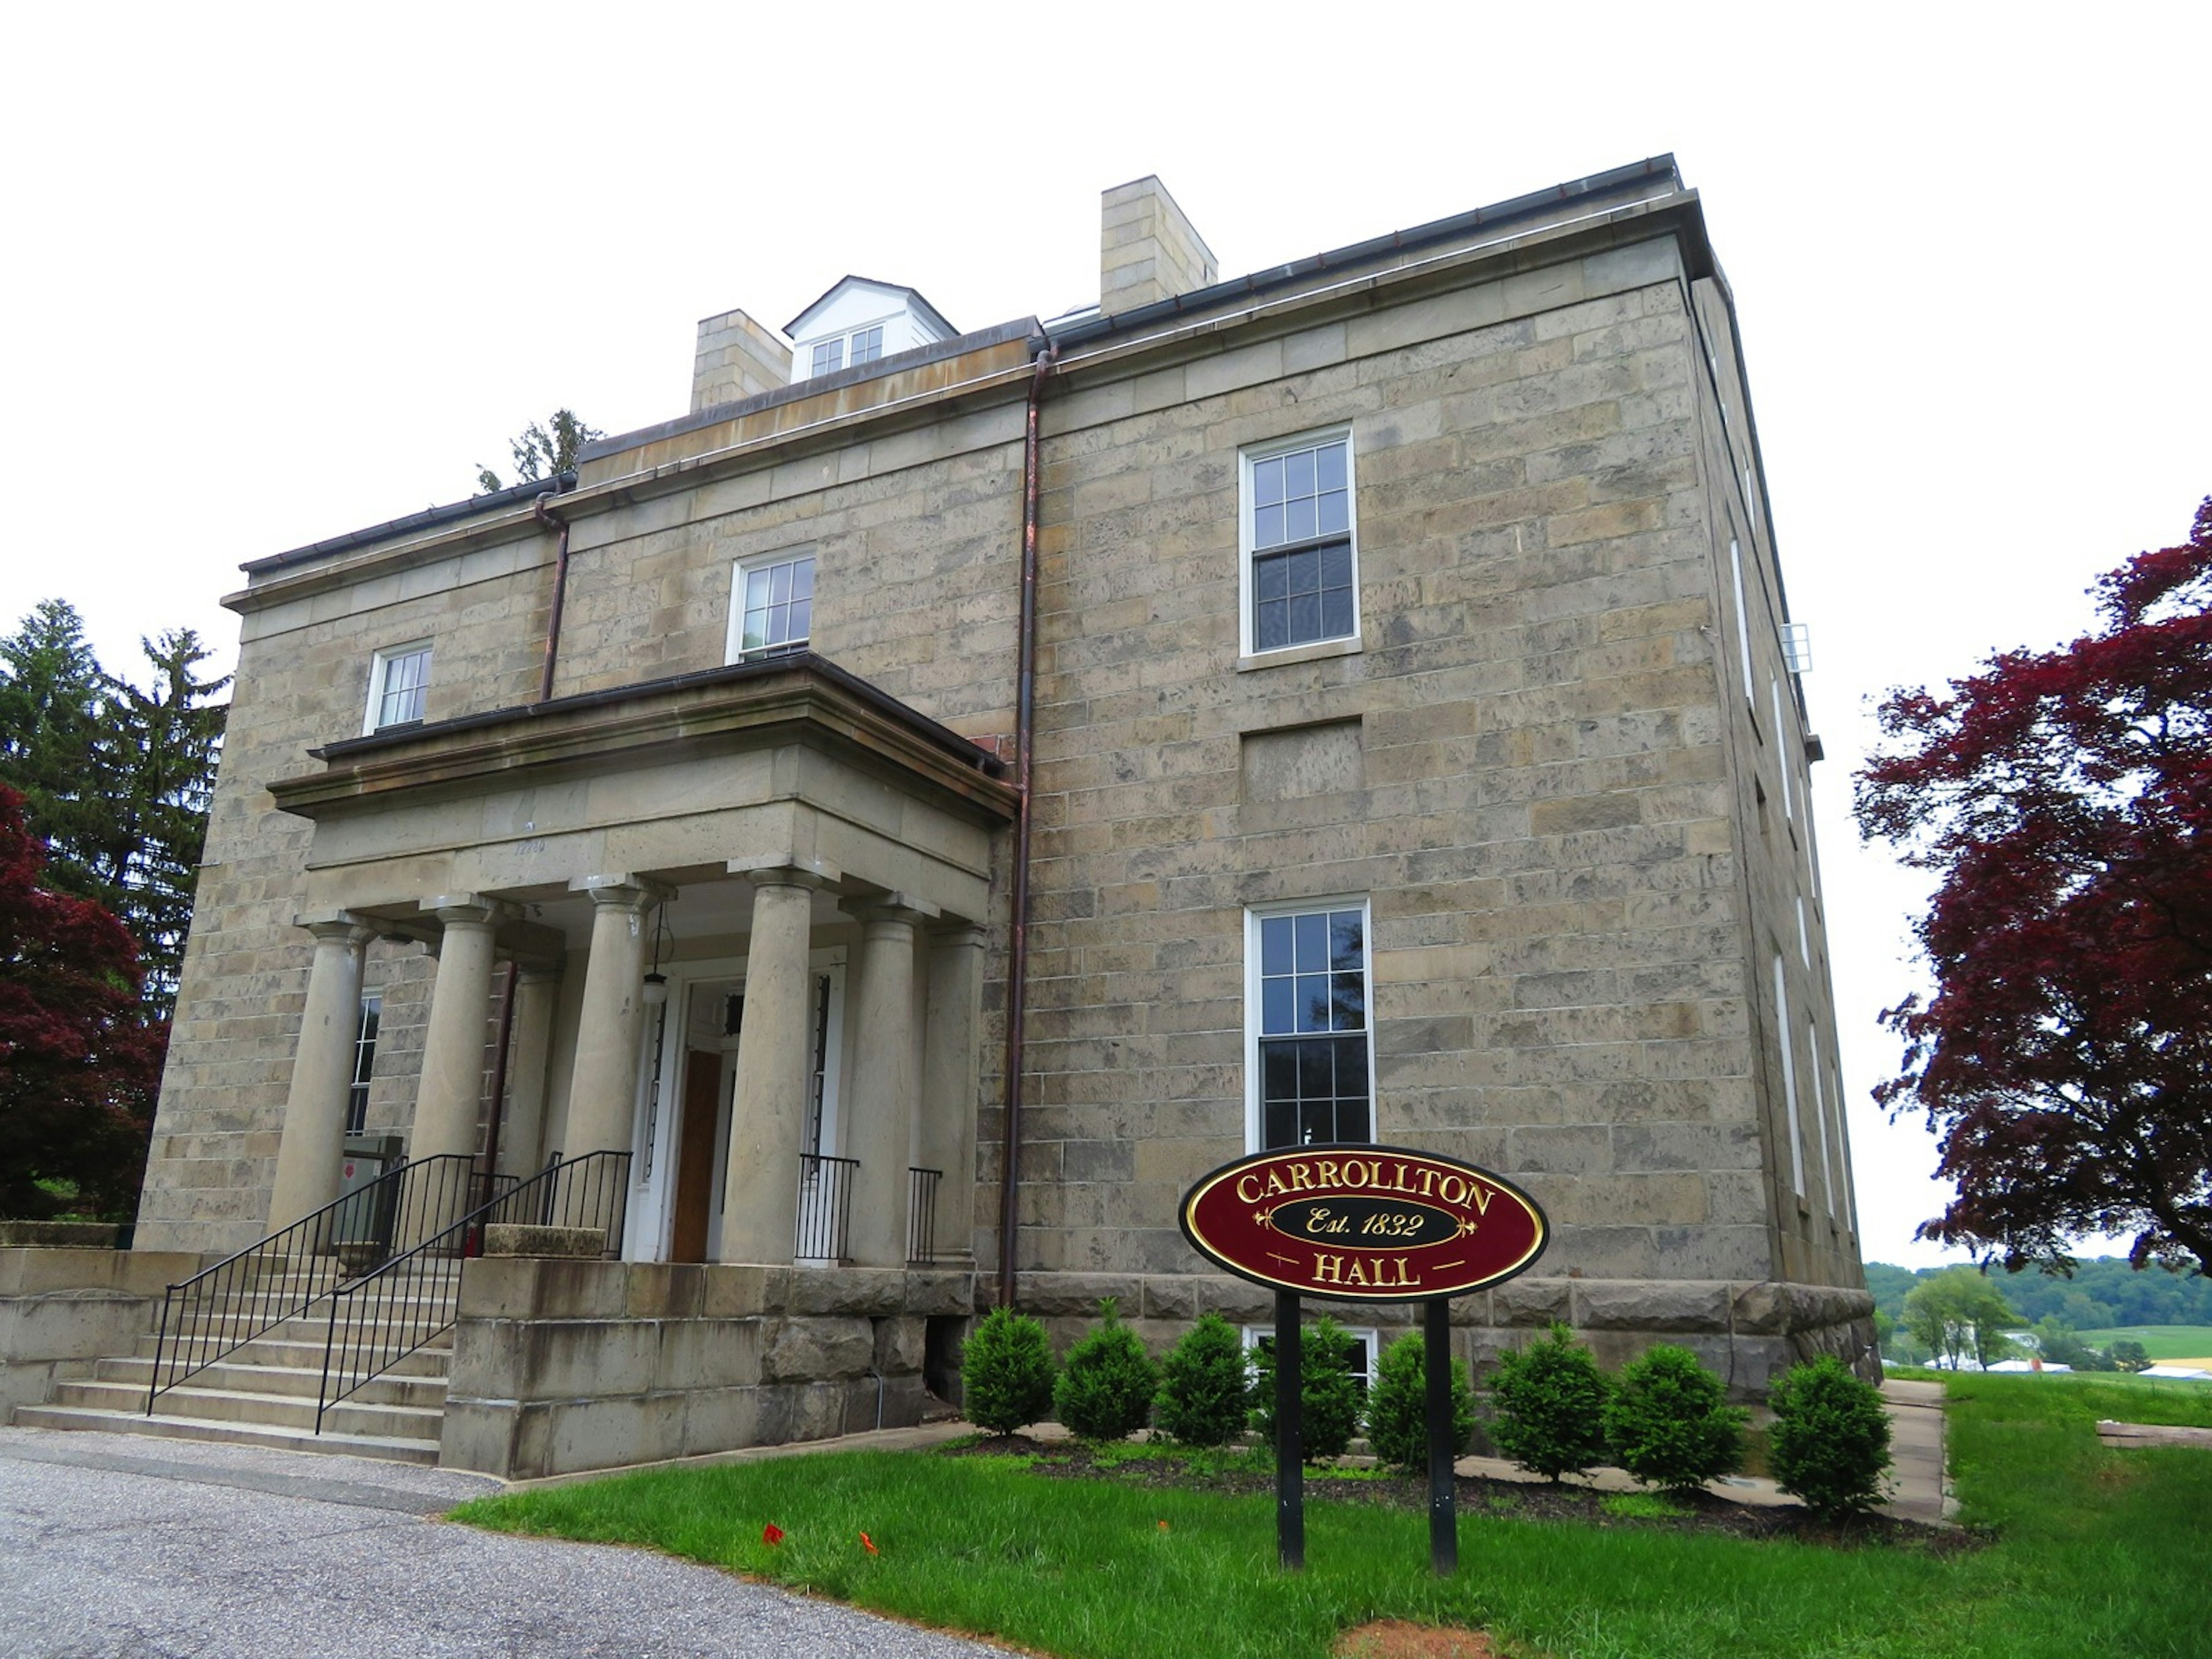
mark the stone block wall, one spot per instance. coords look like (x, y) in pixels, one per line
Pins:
(303, 681)
(560, 1366)
(61, 1310)
(1522, 767)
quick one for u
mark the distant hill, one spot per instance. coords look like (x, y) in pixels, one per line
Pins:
(2104, 1292)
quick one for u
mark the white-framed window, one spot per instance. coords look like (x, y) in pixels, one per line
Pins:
(1820, 1114)
(1366, 1344)
(1804, 935)
(771, 607)
(1742, 619)
(1789, 1042)
(364, 1062)
(846, 350)
(1309, 1061)
(397, 675)
(1300, 546)
(1782, 751)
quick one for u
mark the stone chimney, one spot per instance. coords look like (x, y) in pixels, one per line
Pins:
(1147, 250)
(736, 358)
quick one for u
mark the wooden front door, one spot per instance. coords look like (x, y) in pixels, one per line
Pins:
(695, 1155)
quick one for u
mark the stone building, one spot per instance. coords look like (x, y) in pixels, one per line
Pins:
(1415, 751)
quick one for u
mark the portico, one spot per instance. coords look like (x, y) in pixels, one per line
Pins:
(756, 893)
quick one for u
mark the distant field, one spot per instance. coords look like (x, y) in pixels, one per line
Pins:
(2159, 1341)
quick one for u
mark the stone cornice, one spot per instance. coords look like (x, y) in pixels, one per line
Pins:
(749, 706)
(666, 460)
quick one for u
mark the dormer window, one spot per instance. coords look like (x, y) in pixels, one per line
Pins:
(859, 322)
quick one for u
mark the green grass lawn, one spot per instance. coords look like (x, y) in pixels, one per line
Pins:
(2093, 1550)
(2159, 1341)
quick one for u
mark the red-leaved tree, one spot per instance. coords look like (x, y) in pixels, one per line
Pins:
(79, 1066)
(2065, 798)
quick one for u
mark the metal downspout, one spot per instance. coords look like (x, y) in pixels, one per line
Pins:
(1010, 1148)
(554, 521)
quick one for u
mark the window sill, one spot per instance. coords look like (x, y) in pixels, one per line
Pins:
(1351, 644)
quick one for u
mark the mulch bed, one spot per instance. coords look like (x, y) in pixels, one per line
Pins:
(1704, 1511)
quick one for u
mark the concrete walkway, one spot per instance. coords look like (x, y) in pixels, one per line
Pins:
(116, 1546)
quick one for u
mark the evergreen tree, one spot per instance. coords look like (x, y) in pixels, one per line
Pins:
(170, 738)
(115, 780)
(53, 695)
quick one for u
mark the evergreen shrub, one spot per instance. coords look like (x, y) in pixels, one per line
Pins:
(1106, 1387)
(1329, 1395)
(1670, 1423)
(1205, 1386)
(1547, 1406)
(1830, 1441)
(1398, 1405)
(1005, 1372)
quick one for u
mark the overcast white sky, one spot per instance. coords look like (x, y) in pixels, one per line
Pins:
(273, 275)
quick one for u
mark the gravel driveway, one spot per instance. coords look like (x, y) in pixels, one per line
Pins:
(115, 1545)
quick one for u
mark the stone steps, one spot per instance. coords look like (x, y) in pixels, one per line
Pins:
(257, 1374)
(256, 1406)
(263, 1392)
(166, 1426)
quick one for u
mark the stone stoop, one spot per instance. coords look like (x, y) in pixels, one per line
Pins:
(263, 1393)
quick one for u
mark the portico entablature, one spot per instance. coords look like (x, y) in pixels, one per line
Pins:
(789, 761)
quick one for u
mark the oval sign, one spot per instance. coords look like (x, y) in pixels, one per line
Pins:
(1364, 1224)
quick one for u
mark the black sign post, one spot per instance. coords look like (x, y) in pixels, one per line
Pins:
(1362, 1223)
(1290, 1433)
(1436, 1362)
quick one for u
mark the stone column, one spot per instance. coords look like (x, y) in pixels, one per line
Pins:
(880, 1118)
(522, 1136)
(951, 1076)
(451, 1093)
(313, 1139)
(774, 1068)
(603, 1083)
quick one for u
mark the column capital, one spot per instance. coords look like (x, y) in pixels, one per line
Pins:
(468, 909)
(537, 974)
(338, 927)
(622, 891)
(816, 875)
(903, 908)
(959, 935)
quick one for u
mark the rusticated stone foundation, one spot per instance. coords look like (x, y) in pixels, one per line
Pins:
(567, 1365)
(1747, 1333)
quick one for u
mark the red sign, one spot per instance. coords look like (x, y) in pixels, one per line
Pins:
(1364, 1224)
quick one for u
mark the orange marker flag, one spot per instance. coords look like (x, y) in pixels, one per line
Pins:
(869, 1545)
(771, 1533)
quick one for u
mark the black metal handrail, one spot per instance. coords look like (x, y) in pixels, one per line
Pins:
(384, 1316)
(826, 1207)
(921, 1213)
(221, 1309)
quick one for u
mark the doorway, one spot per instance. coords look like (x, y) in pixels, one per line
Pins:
(695, 1155)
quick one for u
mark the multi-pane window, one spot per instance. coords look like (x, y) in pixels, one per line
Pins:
(364, 1063)
(1302, 579)
(862, 345)
(772, 611)
(396, 686)
(1311, 1048)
